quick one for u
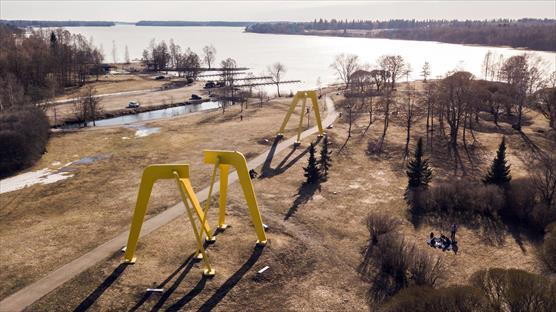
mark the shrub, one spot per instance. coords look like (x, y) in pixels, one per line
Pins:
(526, 207)
(515, 290)
(380, 224)
(391, 264)
(548, 251)
(425, 299)
(463, 200)
(23, 138)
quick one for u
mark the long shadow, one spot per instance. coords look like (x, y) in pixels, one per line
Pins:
(175, 285)
(535, 149)
(286, 163)
(232, 281)
(304, 193)
(147, 295)
(189, 296)
(93, 297)
(266, 170)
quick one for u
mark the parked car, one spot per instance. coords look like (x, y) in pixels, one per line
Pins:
(195, 97)
(210, 85)
(133, 104)
(159, 77)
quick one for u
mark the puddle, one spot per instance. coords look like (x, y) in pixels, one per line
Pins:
(90, 159)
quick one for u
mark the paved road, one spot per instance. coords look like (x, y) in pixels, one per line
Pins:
(144, 91)
(33, 292)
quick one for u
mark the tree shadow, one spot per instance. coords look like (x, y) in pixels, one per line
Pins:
(285, 164)
(232, 281)
(304, 193)
(93, 297)
(535, 149)
(187, 264)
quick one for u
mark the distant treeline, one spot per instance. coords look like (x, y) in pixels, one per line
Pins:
(192, 23)
(25, 23)
(536, 34)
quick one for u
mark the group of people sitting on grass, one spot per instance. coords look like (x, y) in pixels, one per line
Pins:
(444, 242)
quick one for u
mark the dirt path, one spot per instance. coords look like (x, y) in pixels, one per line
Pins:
(26, 296)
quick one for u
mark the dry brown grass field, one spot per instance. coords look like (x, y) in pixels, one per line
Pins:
(45, 226)
(315, 236)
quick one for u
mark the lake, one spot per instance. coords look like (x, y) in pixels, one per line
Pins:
(306, 57)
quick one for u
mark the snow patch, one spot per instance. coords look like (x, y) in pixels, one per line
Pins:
(143, 132)
(44, 176)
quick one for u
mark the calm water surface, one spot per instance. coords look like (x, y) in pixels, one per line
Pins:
(306, 57)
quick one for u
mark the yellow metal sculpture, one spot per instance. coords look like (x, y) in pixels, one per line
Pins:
(222, 160)
(302, 95)
(181, 174)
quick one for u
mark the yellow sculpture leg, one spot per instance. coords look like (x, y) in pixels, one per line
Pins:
(237, 160)
(150, 175)
(224, 171)
(298, 96)
(185, 195)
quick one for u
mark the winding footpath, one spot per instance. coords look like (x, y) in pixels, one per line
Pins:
(33, 292)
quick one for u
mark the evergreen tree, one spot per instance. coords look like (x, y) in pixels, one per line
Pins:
(312, 172)
(499, 171)
(418, 172)
(325, 162)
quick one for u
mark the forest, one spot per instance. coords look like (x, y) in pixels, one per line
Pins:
(534, 34)
(31, 23)
(34, 68)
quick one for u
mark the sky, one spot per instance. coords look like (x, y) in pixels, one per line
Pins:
(132, 11)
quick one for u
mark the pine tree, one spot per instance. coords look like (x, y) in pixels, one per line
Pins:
(325, 161)
(418, 172)
(312, 172)
(499, 171)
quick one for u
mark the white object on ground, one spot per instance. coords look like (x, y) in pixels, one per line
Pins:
(261, 271)
(43, 176)
(124, 249)
(155, 290)
(146, 131)
(265, 226)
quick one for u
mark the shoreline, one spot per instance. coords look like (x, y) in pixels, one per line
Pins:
(341, 35)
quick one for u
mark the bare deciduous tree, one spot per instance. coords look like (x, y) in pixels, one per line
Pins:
(345, 65)
(229, 67)
(261, 95)
(209, 55)
(395, 65)
(87, 107)
(545, 101)
(277, 71)
(544, 179)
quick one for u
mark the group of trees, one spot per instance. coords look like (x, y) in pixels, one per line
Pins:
(162, 56)
(41, 64)
(535, 34)
(34, 67)
(317, 170)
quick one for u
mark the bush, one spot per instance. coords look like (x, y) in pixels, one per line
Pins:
(23, 138)
(548, 251)
(463, 200)
(380, 224)
(391, 264)
(515, 290)
(425, 299)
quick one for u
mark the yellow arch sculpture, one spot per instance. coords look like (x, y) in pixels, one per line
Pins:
(302, 95)
(181, 174)
(223, 160)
